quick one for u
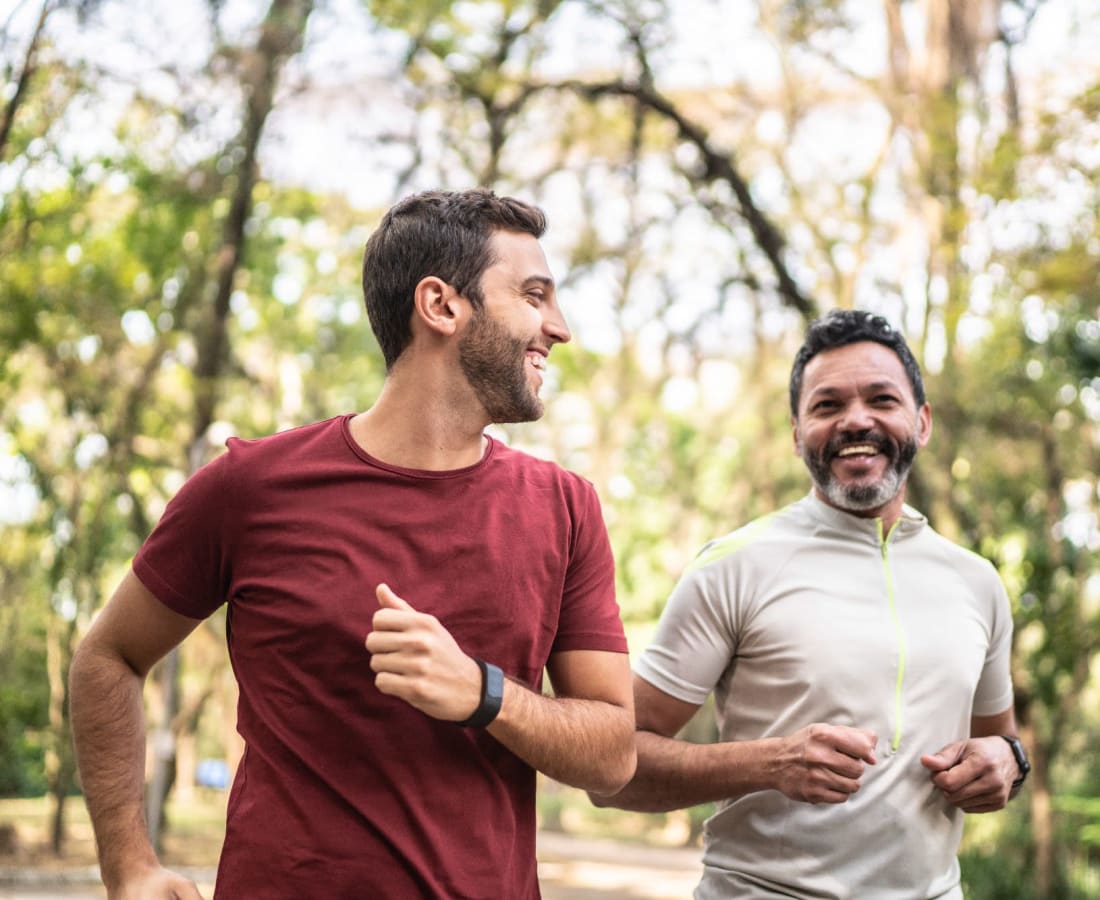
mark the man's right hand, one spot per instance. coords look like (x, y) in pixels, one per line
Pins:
(823, 763)
(155, 884)
(417, 660)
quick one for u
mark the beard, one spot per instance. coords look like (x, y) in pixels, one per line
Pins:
(861, 497)
(494, 362)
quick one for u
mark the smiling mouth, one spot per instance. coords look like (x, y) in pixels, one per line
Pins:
(858, 450)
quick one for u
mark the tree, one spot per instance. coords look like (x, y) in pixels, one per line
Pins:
(280, 37)
(162, 291)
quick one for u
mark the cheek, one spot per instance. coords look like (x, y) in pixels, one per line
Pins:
(909, 429)
(808, 438)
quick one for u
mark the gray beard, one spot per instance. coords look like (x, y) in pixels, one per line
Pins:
(860, 498)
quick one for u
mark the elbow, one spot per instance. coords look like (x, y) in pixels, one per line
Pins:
(96, 668)
(79, 667)
(604, 801)
(620, 793)
(623, 774)
(617, 772)
(606, 769)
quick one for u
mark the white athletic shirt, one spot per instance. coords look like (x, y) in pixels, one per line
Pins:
(811, 615)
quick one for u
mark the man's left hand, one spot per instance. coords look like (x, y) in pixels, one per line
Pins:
(974, 775)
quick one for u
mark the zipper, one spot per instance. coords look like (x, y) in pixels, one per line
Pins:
(884, 542)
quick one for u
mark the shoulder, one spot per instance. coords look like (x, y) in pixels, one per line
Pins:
(539, 474)
(979, 575)
(300, 439)
(966, 562)
(295, 450)
(289, 456)
(763, 540)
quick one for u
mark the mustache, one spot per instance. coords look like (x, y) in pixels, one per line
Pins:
(876, 439)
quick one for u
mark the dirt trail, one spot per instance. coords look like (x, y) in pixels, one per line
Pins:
(570, 868)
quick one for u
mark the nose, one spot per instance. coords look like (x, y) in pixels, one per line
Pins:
(857, 416)
(554, 325)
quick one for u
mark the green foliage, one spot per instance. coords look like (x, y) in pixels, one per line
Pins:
(23, 703)
(24, 696)
(108, 250)
(22, 756)
(994, 875)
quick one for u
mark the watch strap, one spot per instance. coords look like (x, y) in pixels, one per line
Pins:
(492, 695)
(1021, 758)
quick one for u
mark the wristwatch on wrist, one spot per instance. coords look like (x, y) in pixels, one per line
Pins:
(1021, 759)
(492, 696)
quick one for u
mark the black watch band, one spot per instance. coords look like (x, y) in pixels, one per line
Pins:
(492, 694)
(1021, 758)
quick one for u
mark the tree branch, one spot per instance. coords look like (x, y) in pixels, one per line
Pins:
(25, 75)
(716, 167)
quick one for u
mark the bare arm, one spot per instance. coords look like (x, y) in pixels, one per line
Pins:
(583, 737)
(817, 764)
(108, 672)
(976, 774)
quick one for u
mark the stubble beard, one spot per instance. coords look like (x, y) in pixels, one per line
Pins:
(859, 498)
(494, 362)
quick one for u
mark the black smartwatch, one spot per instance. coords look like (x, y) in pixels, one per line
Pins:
(492, 695)
(1021, 759)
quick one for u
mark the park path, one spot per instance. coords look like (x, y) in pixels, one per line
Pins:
(570, 868)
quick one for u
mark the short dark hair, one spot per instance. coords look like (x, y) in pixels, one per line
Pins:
(442, 233)
(841, 327)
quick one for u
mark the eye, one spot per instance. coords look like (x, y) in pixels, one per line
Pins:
(885, 400)
(824, 406)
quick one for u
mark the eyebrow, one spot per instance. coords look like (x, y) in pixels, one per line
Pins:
(829, 390)
(539, 280)
(887, 385)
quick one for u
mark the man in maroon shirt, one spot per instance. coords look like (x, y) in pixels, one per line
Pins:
(397, 581)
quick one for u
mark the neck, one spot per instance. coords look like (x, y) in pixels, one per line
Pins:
(889, 512)
(415, 426)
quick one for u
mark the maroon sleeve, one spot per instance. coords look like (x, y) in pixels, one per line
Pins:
(185, 561)
(590, 617)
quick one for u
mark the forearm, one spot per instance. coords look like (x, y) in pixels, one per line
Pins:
(109, 736)
(675, 774)
(588, 744)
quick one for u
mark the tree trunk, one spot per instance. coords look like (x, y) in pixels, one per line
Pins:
(25, 74)
(60, 762)
(1042, 817)
(280, 38)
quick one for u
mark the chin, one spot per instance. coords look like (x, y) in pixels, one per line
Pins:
(861, 498)
(528, 413)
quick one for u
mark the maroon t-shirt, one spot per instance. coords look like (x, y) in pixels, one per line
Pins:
(344, 792)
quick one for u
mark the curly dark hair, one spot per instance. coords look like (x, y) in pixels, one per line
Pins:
(841, 327)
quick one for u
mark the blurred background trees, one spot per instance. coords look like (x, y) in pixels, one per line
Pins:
(185, 189)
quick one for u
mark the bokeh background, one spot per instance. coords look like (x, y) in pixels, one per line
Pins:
(185, 189)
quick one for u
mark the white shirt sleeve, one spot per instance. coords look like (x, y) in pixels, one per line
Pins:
(994, 692)
(696, 639)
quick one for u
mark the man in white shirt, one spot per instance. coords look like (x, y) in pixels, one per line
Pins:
(859, 661)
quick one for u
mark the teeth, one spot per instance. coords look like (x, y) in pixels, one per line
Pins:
(857, 450)
(537, 361)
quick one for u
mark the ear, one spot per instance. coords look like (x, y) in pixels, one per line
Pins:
(795, 438)
(437, 306)
(924, 425)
